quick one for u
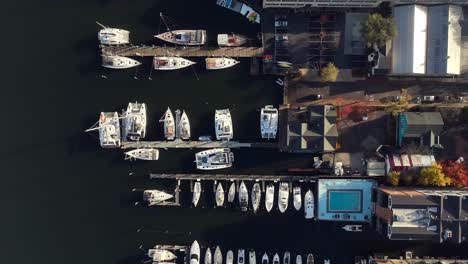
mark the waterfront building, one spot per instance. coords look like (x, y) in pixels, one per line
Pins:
(349, 3)
(405, 162)
(422, 214)
(420, 128)
(345, 200)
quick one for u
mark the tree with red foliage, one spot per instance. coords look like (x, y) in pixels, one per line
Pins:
(458, 172)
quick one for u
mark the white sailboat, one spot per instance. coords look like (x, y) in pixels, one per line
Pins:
(268, 122)
(309, 204)
(186, 37)
(218, 63)
(256, 196)
(171, 63)
(229, 257)
(219, 195)
(161, 255)
(287, 258)
(297, 198)
(184, 126)
(154, 197)
(283, 196)
(265, 259)
(232, 192)
(214, 159)
(195, 253)
(298, 259)
(310, 259)
(231, 40)
(218, 256)
(169, 124)
(208, 256)
(240, 256)
(142, 154)
(118, 62)
(243, 197)
(113, 36)
(269, 197)
(353, 228)
(134, 121)
(276, 259)
(109, 130)
(223, 125)
(252, 257)
(196, 193)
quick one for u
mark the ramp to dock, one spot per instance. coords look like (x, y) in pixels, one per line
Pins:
(151, 51)
(178, 143)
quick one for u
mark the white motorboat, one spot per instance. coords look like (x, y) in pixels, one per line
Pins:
(109, 129)
(186, 37)
(230, 257)
(298, 259)
(169, 124)
(353, 228)
(161, 255)
(310, 259)
(287, 258)
(219, 195)
(218, 63)
(184, 126)
(265, 259)
(276, 259)
(243, 197)
(195, 253)
(113, 36)
(256, 196)
(240, 256)
(252, 257)
(268, 122)
(231, 40)
(171, 63)
(142, 154)
(218, 256)
(309, 204)
(269, 197)
(214, 159)
(232, 192)
(154, 197)
(196, 193)
(223, 125)
(297, 198)
(118, 62)
(283, 196)
(208, 256)
(134, 121)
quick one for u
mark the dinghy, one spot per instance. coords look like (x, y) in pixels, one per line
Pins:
(229, 257)
(196, 193)
(218, 256)
(297, 198)
(208, 257)
(309, 204)
(232, 192)
(195, 253)
(283, 197)
(243, 197)
(256, 196)
(252, 257)
(269, 197)
(219, 195)
(240, 256)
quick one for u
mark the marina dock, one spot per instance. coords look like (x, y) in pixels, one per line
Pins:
(230, 177)
(151, 51)
(178, 143)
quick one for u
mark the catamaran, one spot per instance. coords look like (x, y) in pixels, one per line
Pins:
(298, 259)
(185, 37)
(113, 36)
(154, 197)
(232, 192)
(134, 121)
(265, 259)
(161, 255)
(269, 197)
(297, 198)
(184, 126)
(229, 257)
(208, 256)
(169, 124)
(231, 40)
(142, 154)
(252, 257)
(214, 159)
(109, 129)
(218, 63)
(287, 258)
(256, 196)
(353, 228)
(196, 193)
(309, 204)
(118, 62)
(276, 259)
(268, 122)
(243, 197)
(240, 256)
(171, 63)
(195, 253)
(223, 125)
(283, 196)
(310, 259)
(218, 256)
(219, 196)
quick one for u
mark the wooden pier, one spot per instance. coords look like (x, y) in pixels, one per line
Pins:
(151, 51)
(230, 177)
(178, 143)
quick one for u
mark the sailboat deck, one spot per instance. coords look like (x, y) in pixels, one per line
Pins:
(147, 51)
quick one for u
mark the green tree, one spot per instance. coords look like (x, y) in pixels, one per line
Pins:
(393, 178)
(378, 29)
(329, 73)
(434, 176)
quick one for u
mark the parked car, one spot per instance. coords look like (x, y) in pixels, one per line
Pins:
(281, 23)
(281, 38)
(428, 99)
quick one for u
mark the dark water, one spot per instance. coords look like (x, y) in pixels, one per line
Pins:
(65, 200)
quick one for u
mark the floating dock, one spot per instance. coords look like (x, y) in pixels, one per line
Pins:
(151, 51)
(178, 143)
(230, 177)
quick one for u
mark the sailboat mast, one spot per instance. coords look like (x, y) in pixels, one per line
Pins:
(101, 25)
(164, 21)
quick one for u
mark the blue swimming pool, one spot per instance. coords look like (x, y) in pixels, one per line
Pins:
(344, 200)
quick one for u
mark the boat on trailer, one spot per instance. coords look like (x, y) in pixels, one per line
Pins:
(269, 197)
(142, 154)
(223, 125)
(154, 197)
(113, 36)
(108, 126)
(214, 159)
(118, 62)
(218, 63)
(268, 122)
(231, 40)
(134, 121)
(243, 197)
(283, 196)
(165, 63)
(169, 124)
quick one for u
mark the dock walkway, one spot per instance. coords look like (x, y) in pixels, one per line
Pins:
(230, 177)
(150, 51)
(178, 143)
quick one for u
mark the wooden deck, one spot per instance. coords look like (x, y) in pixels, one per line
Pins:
(150, 51)
(230, 177)
(194, 144)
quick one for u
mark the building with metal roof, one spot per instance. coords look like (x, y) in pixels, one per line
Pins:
(421, 128)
